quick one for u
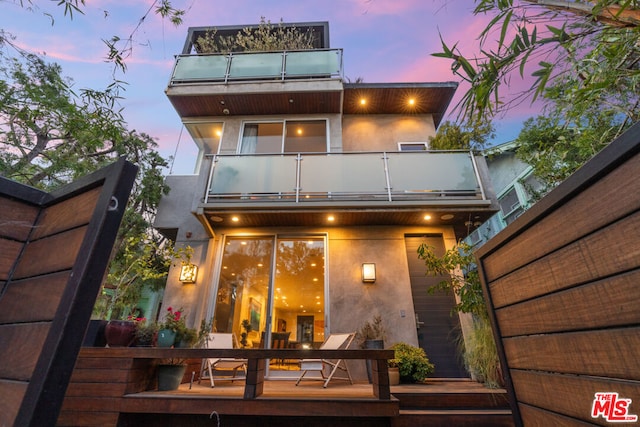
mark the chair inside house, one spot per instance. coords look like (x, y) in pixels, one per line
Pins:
(280, 340)
(334, 342)
(222, 368)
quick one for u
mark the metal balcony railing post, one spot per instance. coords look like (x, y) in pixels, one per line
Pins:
(298, 167)
(477, 173)
(228, 71)
(210, 179)
(385, 161)
(283, 68)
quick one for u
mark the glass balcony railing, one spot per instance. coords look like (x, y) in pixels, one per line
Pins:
(338, 177)
(282, 65)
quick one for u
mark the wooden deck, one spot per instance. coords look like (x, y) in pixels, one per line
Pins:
(120, 391)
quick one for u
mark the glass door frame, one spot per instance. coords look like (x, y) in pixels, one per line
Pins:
(275, 238)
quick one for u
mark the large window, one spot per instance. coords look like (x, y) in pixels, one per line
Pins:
(290, 136)
(269, 294)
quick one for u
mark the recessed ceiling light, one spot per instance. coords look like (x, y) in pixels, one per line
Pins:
(412, 101)
(235, 219)
(216, 218)
(363, 101)
(331, 218)
(446, 217)
(427, 217)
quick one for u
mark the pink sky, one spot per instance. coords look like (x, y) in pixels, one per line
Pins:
(383, 41)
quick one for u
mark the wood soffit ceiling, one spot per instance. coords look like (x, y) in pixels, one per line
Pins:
(380, 99)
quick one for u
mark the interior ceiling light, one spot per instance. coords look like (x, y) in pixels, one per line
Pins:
(412, 101)
(446, 217)
(331, 218)
(427, 217)
(235, 219)
(363, 101)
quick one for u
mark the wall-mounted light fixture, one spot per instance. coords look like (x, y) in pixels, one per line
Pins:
(188, 273)
(368, 272)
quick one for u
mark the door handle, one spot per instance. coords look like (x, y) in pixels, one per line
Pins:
(418, 322)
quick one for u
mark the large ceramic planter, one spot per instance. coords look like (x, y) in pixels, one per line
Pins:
(120, 333)
(170, 376)
(166, 338)
(372, 344)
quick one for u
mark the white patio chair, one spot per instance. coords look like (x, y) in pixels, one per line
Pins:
(334, 342)
(230, 366)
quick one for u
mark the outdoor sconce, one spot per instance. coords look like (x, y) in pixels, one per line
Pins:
(188, 273)
(368, 272)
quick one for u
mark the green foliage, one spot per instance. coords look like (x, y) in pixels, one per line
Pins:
(593, 53)
(467, 136)
(412, 362)
(266, 37)
(557, 149)
(371, 330)
(50, 136)
(481, 356)
(457, 263)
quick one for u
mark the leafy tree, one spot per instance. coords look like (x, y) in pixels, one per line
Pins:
(465, 136)
(589, 47)
(50, 136)
(555, 150)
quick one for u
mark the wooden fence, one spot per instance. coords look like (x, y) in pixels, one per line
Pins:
(563, 287)
(54, 249)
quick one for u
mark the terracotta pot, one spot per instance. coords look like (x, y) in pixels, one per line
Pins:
(394, 376)
(120, 333)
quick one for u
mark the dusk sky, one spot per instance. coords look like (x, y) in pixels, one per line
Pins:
(384, 41)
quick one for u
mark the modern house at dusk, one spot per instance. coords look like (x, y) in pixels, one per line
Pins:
(304, 180)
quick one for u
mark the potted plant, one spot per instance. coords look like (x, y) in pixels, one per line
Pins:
(371, 335)
(412, 363)
(170, 374)
(394, 372)
(168, 330)
(145, 332)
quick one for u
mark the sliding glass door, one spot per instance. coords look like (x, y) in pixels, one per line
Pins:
(271, 292)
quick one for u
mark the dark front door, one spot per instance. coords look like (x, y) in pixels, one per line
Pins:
(438, 330)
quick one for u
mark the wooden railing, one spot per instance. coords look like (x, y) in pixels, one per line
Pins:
(256, 361)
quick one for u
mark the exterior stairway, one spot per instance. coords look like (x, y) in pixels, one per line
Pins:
(451, 402)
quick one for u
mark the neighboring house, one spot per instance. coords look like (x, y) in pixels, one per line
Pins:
(515, 187)
(302, 179)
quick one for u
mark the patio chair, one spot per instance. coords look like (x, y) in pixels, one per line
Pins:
(230, 366)
(334, 342)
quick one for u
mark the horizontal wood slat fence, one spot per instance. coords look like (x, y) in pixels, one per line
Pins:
(54, 249)
(562, 284)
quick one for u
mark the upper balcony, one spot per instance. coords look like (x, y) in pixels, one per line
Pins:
(377, 188)
(257, 83)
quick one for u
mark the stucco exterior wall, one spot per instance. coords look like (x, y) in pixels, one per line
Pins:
(383, 132)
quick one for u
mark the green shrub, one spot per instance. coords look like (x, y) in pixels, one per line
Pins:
(412, 362)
